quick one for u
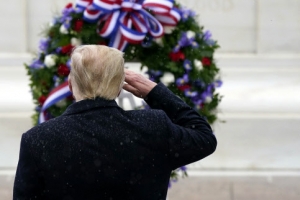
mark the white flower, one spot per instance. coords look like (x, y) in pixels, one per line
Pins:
(208, 99)
(190, 34)
(168, 29)
(61, 103)
(76, 42)
(198, 64)
(51, 24)
(132, 50)
(159, 41)
(167, 78)
(50, 60)
(63, 29)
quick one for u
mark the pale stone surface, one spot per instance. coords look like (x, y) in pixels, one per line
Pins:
(13, 26)
(15, 90)
(236, 188)
(213, 188)
(232, 22)
(255, 144)
(266, 89)
(279, 26)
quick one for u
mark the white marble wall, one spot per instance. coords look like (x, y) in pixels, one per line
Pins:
(240, 26)
(13, 26)
(232, 22)
(279, 26)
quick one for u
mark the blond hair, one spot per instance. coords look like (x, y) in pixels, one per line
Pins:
(97, 71)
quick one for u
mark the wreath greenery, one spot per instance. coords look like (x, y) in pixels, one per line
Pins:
(185, 52)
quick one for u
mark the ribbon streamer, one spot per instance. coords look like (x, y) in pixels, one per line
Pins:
(59, 93)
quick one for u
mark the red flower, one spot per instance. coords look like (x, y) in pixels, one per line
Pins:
(63, 70)
(67, 49)
(176, 57)
(102, 43)
(201, 105)
(69, 5)
(206, 61)
(42, 99)
(78, 25)
(183, 87)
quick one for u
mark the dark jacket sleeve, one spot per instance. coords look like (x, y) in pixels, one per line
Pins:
(190, 136)
(28, 184)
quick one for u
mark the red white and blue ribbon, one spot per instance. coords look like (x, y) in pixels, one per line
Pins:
(129, 21)
(59, 93)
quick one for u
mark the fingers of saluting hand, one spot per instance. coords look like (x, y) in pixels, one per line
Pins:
(132, 90)
(132, 77)
(138, 84)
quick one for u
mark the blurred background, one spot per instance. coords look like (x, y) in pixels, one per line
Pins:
(259, 144)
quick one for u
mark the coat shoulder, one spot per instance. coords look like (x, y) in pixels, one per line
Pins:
(41, 130)
(153, 115)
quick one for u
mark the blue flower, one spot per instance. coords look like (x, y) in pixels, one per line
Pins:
(218, 83)
(189, 93)
(183, 80)
(67, 22)
(183, 168)
(58, 49)
(207, 35)
(198, 83)
(186, 13)
(207, 38)
(197, 99)
(37, 64)
(185, 41)
(69, 63)
(154, 74)
(66, 14)
(187, 64)
(56, 80)
(207, 95)
(44, 44)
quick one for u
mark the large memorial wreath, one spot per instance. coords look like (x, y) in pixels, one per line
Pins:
(160, 34)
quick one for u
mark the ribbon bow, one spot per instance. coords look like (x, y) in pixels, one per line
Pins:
(129, 21)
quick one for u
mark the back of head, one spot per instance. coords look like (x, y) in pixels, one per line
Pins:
(96, 71)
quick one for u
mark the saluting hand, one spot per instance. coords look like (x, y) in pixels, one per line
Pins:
(137, 84)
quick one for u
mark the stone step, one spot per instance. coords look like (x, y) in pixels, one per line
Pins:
(208, 186)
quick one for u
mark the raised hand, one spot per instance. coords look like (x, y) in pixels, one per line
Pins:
(137, 84)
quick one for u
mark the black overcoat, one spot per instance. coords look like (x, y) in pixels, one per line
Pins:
(96, 150)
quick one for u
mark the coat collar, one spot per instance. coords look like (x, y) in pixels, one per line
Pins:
(89, 104)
